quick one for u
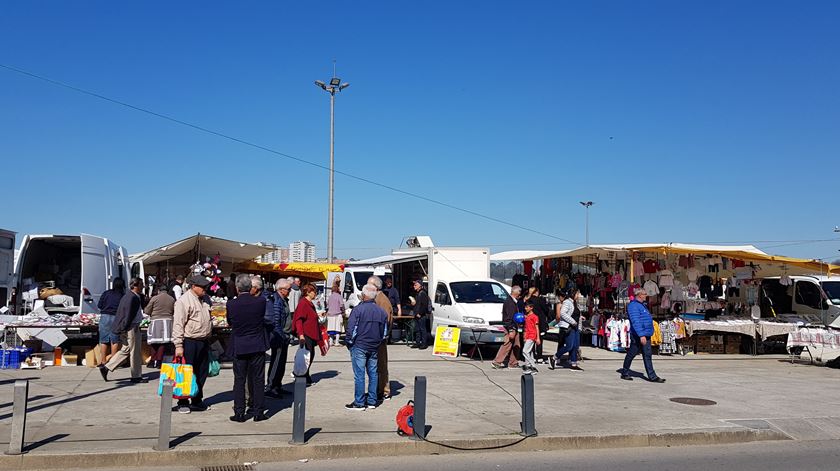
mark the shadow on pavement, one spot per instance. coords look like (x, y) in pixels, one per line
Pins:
(69, 399)
(317, 377)
(310, 433)
(33, 398)
(183, 438)
(43, 442)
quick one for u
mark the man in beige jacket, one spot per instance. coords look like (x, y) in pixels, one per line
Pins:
(383, 389)
(191, 329)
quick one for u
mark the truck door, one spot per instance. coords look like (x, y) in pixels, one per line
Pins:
(7, 258)
(95, 272)
(443, 308)
(808, 299)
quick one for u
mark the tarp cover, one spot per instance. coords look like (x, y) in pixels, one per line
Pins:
(317, 271)
(230, 250)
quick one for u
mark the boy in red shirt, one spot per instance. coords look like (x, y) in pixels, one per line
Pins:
(532, 338)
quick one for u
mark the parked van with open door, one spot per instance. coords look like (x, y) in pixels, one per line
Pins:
(81, 266)
(810, 299)
(351, 282)
(7, 267)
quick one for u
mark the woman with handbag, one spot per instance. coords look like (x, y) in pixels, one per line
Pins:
(306, 326)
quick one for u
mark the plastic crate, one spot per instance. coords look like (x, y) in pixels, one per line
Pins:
(12, 358)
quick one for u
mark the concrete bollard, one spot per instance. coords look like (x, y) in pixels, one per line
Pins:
(19, 417)
(165, 423)
(299, 413)
(419, 408)
(528, 422)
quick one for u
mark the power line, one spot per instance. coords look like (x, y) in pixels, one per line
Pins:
(282, 154)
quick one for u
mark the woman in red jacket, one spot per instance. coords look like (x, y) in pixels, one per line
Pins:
(305, 323)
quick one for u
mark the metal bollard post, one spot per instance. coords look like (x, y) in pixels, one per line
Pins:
(419, 408)
(19, 417)
(165, 423)
(528, 423)
(299, 413)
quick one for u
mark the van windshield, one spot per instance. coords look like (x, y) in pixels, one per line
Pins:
(478, 292)
(832, 290)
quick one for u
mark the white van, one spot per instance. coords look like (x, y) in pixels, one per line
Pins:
(353, 279)
(82, 266)
(814, 299)
(7, 265)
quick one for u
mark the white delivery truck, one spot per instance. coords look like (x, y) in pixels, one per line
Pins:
(81, 266)
(457, 281)
(7, 266)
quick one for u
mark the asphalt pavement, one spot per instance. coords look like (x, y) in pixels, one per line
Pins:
(75, 415)
(805, 455)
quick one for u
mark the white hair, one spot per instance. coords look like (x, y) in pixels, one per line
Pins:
(369, 291)
(282, 283)
(243, 283)
(516, 290)
(256, 282)
(375, 281)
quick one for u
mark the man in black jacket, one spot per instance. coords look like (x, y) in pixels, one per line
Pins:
(542, 311)
(246, 317)
(127, 325)
(277, 318)
(511, 345)
(421, 316)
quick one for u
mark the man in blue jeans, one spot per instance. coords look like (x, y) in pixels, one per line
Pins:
(367, 328)
(641, 329)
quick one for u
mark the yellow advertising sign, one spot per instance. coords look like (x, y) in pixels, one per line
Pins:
(447, 340)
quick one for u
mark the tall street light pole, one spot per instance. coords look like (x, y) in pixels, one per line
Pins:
(334, 86)
(587, 204)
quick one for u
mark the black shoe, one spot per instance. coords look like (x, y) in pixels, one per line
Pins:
(422, 348)
(354, 406)
(238, 418)
(372, 406)
(273, 393)
(551, 363)
(627, 377)
(139, 380)
(104, 372)
(260, 417)
(657, 380)
(200, 407)
(414, 345)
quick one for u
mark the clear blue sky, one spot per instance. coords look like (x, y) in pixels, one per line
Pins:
(718, 119)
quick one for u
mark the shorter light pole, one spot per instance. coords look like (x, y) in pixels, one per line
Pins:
(587, 204)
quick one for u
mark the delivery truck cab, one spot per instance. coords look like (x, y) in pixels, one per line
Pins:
(81, 266)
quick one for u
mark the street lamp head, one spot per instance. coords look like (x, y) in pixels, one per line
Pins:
(321, 84)
(586, 203)
(335, 81)
(343, 86)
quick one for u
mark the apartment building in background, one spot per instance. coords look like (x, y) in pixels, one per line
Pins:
(301, 251)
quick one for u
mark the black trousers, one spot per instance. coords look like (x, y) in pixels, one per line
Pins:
(250, 369)
(421, 331)
(277, 366)
(197, 354)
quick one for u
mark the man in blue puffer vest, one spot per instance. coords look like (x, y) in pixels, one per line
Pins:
(641, 329)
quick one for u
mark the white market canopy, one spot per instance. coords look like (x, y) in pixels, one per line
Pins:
(745, 252)
(230, 250)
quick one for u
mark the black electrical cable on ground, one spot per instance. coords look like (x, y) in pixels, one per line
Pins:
(484, 448)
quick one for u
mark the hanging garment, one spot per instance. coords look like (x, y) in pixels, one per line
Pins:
(669, 340)
(666, 278)
(656, 338)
